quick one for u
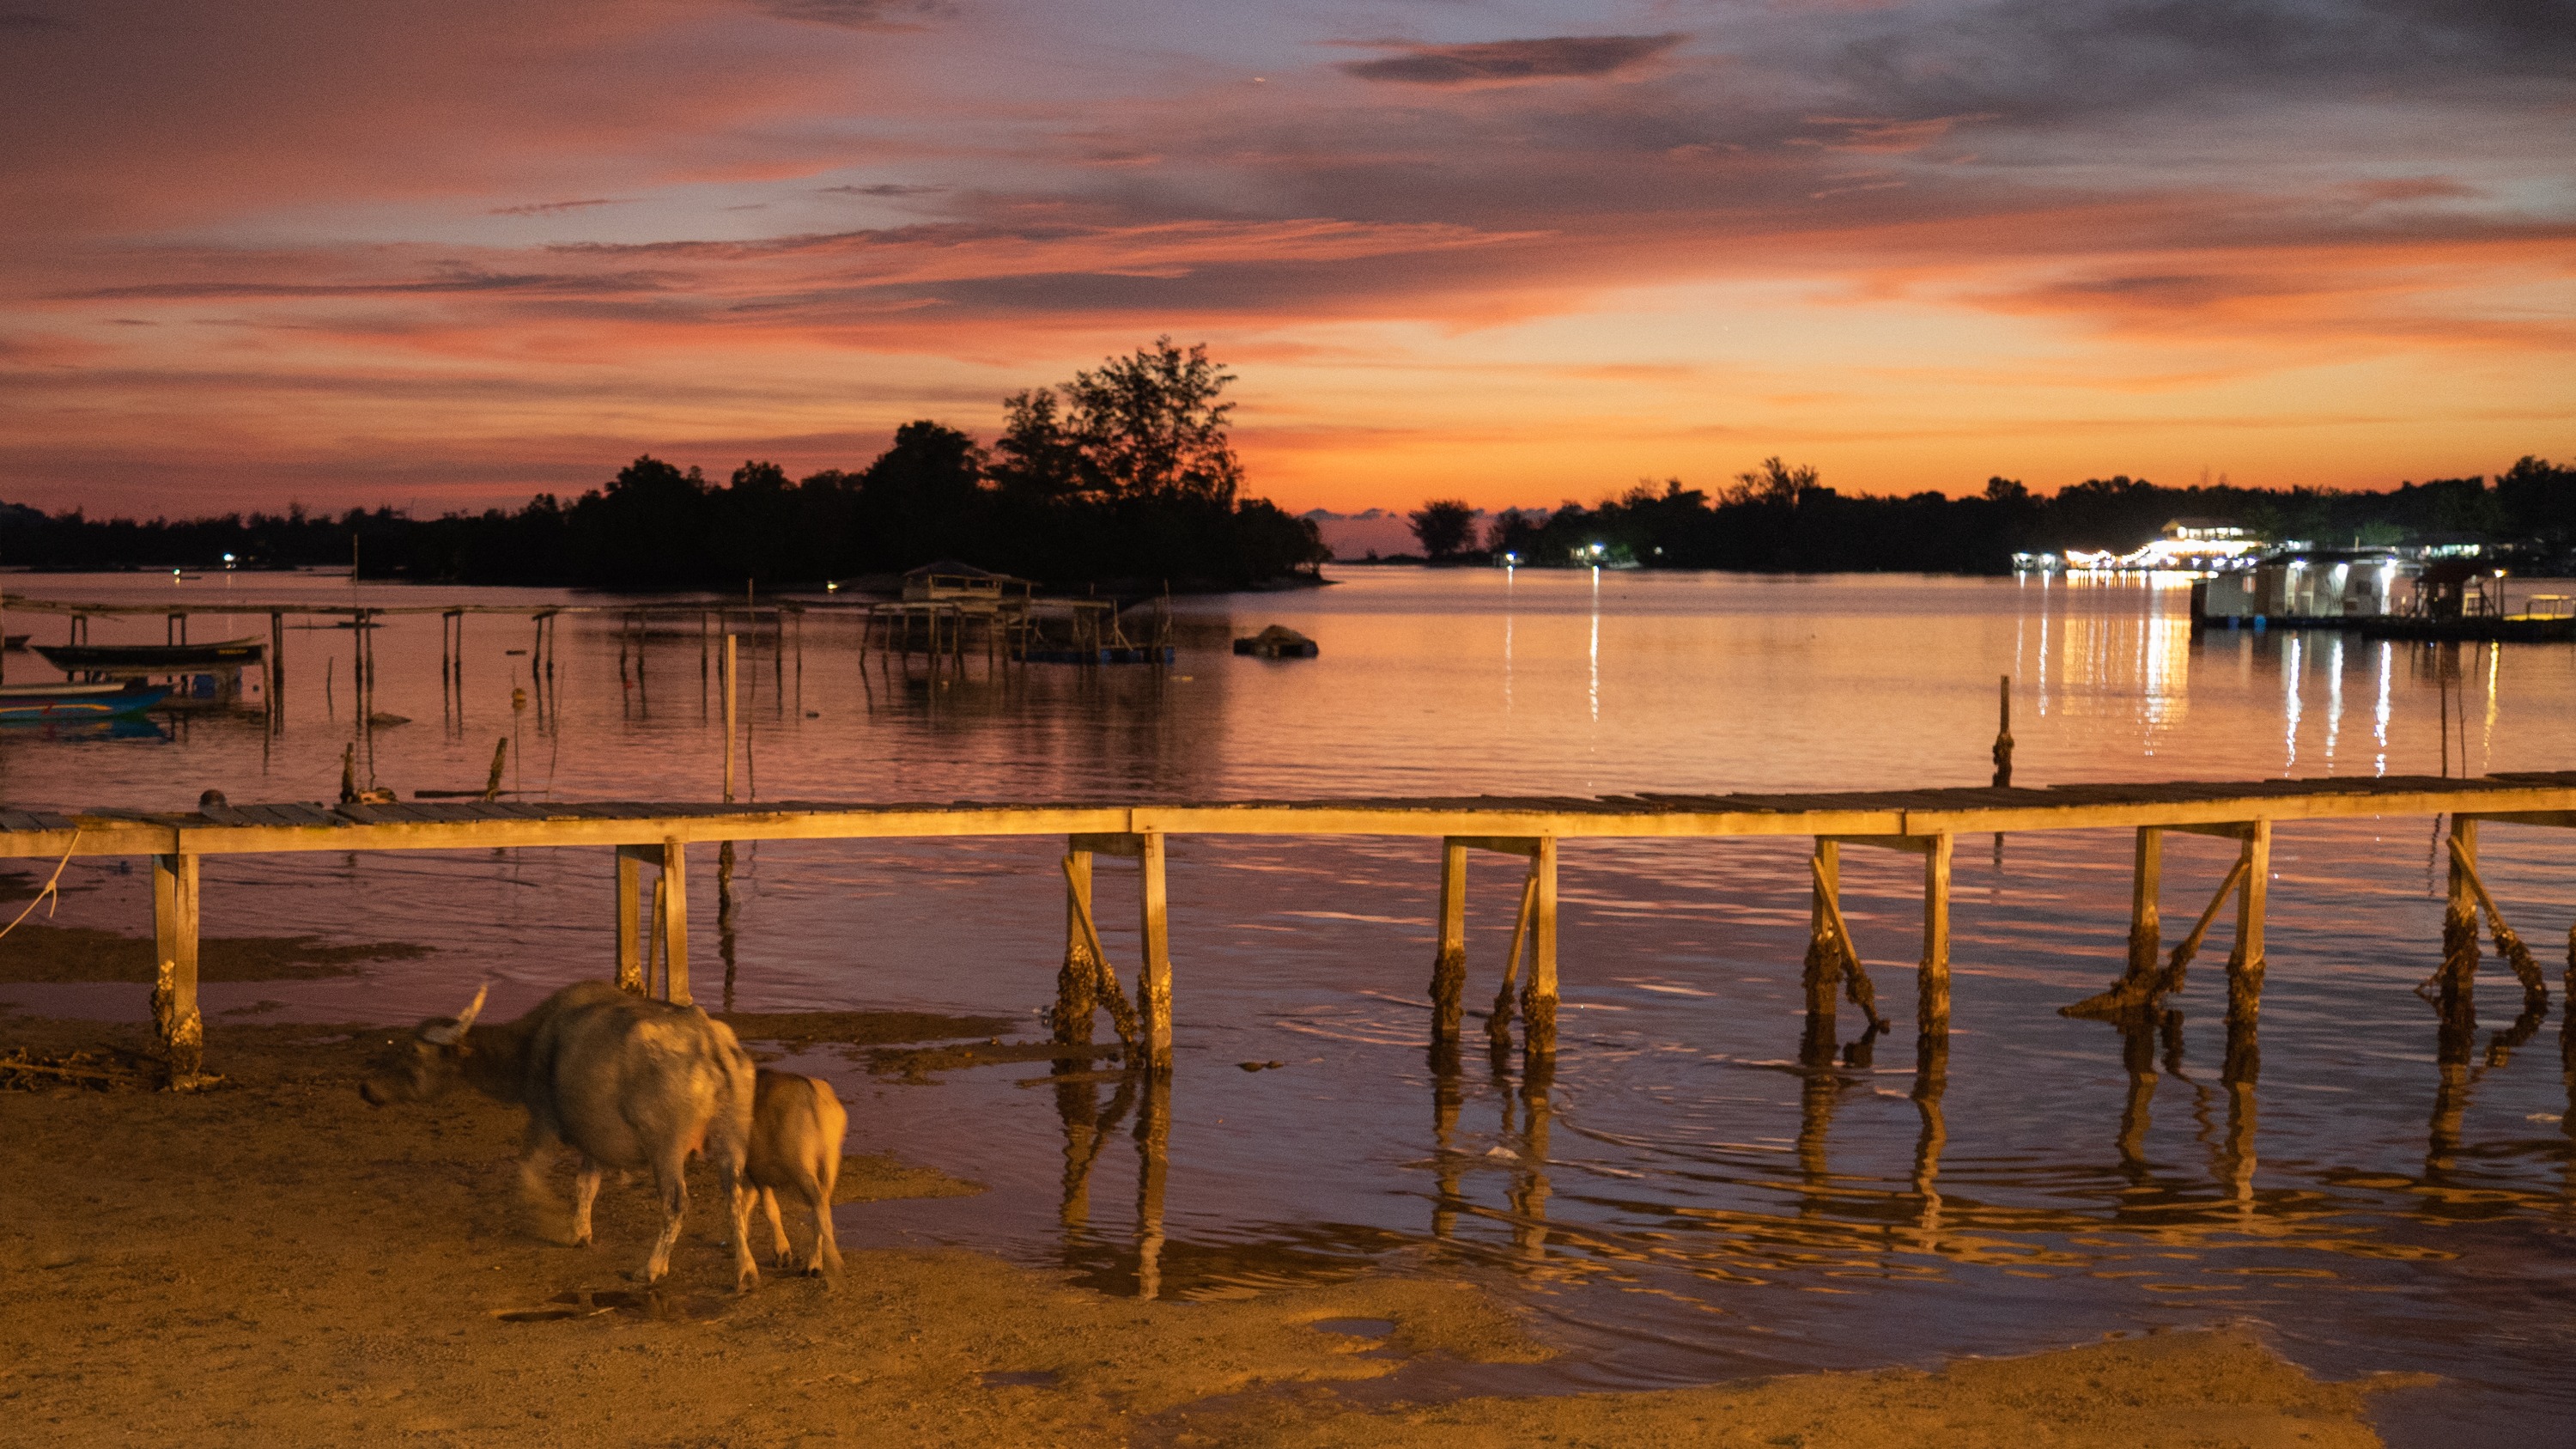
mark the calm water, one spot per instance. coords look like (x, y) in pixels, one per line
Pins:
(1678, 1201)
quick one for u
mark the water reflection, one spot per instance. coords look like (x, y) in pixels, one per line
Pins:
(1735, 1193)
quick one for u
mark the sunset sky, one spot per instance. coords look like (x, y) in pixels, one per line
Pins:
(449, 254)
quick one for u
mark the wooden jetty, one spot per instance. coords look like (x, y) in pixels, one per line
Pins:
(654, 953)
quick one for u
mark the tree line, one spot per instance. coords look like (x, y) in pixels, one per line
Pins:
(1782, 518)
(1123, 476)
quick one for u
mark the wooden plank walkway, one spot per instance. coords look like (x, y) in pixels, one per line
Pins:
(1923, 822)
(469, 825)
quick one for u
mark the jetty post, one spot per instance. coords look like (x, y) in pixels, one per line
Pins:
(1086, 982)
(2003, 735)
(1932, 976)
(1821, 974)
(2245, 962)
(175, 1019)
(1534, 926)
(630, 935)
(276, 667)
(1449, 965)
(672, 896)
(1538, 999)
(729, 716)
(1077, 982)
(2146, 927)
(1154, 977)
(2458, 979)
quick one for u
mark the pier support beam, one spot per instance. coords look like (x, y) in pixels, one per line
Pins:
(1932, 977)
(1449, 966)
(2146, 927)
(1538, 999)
(1077, 982)
(630, 934)
(1822, 975)
(1154, 977)
(1146, 1026)
(2245, 962)
(175, 1020)
(674, 900)
(2457, 980)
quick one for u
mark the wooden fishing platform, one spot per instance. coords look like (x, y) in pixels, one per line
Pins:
(1922, 822)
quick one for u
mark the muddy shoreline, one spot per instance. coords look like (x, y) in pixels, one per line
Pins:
(275, 1262)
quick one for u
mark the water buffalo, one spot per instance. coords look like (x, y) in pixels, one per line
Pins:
(627, 1081)
(796, 1130)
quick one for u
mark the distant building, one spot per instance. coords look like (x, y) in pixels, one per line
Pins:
(2194, 545)
(949, 582)
(2357, 583)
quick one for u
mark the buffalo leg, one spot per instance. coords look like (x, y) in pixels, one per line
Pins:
(827, 1245)
(673, 1188)
(585, 1191)
(536, 1154)
(746, 1273)
(778, 1229)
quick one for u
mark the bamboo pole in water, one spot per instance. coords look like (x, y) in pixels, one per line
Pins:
(727, 683)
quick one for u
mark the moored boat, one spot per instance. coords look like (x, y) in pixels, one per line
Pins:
(56, 703)
(151, 658)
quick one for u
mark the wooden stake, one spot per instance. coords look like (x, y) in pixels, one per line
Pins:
(1821, 975)
(277, 667)
(1498, 1025)
(1538, 1000)
(2145, 884)
(728, 683)
(1154, 978)
(2245, 962)
(1077, 981)
(657, 975)
(174, 992)
(2456, 982)
(2175, 969)
(1932, 977)
(2003, 736)
(1449, 963)
(1856, 980)
(2535, 986)
(630, 949)
(500, 754)
(675, 923)
(1122, 1015)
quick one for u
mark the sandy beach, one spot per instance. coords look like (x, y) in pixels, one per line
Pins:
(274, 1262)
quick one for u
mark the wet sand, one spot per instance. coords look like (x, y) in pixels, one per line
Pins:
(275, 1262)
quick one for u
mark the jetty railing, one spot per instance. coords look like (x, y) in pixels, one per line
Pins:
(653, 951)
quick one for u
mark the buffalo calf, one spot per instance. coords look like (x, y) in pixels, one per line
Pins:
(796, 1129)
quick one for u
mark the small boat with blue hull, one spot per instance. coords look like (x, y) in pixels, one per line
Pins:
(61, 703)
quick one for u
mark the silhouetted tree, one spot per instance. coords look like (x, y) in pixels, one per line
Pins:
(1149, 425)
(1444, 527)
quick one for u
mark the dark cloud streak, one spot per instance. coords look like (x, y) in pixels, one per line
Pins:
(1553, 58)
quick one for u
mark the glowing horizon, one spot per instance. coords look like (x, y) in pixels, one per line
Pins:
(289, 252)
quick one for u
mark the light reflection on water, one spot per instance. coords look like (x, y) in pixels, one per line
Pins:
(1691, 1192)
